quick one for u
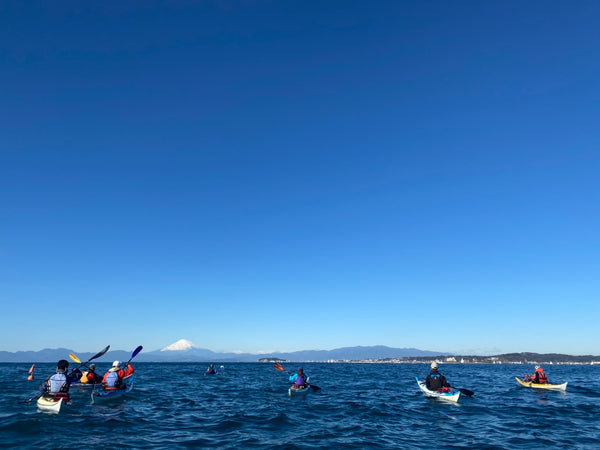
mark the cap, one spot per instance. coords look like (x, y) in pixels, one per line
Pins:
(434, 365)
(117, 364)
(92, 366)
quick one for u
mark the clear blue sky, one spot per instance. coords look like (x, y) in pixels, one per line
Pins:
(256, 176)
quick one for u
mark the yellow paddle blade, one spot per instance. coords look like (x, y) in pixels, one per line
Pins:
(74, 358)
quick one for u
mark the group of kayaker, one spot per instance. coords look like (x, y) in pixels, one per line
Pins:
(60, 382)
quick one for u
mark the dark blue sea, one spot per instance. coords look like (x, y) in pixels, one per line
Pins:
(359, 406)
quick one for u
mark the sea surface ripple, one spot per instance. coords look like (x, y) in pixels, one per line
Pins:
(174, 405)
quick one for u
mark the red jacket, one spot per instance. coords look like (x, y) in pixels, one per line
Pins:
(120, 373)
(93, 377)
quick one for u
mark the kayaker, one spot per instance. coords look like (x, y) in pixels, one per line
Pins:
(211, 370)
(435, 381)
(539, 377)
(59, 383)
(91, 377)
(299, 379)
(113, 379)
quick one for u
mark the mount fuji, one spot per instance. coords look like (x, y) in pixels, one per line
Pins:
(186, 351)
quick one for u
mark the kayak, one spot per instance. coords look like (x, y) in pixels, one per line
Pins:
(294, 392)
(79, 385)
(50, 403)
(102, 395)
(297, 392)
(450, 396)
(554, 387)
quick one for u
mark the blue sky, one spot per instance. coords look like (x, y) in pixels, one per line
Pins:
(256, 176)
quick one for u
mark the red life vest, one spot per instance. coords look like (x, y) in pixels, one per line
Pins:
(541, 376)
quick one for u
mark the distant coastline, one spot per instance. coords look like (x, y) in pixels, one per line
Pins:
(372, 354)
(507, 358)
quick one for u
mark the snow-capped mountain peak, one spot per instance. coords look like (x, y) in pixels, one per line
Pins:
(180, 345)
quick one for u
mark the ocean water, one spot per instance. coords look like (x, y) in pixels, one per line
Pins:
(359, 406)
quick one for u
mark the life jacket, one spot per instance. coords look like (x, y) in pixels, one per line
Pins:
(300, 380)
(58, 383)
(112, 381)
(541, 376)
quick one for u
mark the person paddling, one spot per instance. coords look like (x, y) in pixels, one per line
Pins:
(539, 377)
(58, 385)
(299, 379)
(435, 381)
(211, 370)
(90, 376)
(113, 379)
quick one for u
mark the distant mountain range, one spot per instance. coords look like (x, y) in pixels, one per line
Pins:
(185, 351)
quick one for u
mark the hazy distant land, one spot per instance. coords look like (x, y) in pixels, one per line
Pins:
(360, 354)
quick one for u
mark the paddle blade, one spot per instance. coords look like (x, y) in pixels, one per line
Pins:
(30, 377)
(467, 392)
(100, 353)
(74, 358)
(135, 352)
(279, 367)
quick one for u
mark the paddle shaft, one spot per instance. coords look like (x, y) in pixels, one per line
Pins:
(466, 392)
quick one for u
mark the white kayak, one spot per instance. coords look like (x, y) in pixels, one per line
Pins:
(50, 403)
(102, 395)
(450, 396)
(293, 392)
(554, 387)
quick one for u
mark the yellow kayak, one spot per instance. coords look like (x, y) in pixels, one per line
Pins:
(555, 387)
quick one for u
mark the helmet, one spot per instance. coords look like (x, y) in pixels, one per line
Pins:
(62, 365)
(434, 365)
(117, 364)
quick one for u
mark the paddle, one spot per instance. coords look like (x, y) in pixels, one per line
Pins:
(135, 353)
(281, 369)
(77, 360)
(463, 391)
